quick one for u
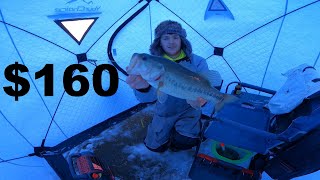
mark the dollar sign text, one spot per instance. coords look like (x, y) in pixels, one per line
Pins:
(11, 74)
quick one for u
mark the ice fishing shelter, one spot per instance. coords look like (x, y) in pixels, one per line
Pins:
(264, 39)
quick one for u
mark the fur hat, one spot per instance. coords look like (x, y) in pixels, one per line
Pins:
(170, 27)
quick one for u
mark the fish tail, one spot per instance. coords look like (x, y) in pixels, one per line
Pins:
(227, 98)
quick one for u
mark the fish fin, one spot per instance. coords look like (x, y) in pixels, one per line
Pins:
(194, 104)
(213, 77)
(162, 97)
(227, 98)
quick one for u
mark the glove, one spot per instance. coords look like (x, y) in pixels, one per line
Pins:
(137, 82)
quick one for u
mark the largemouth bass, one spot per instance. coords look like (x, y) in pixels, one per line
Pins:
(170, 78)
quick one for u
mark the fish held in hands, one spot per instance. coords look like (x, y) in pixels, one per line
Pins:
(170, 78)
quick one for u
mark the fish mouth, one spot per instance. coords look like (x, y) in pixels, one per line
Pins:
(133, 63)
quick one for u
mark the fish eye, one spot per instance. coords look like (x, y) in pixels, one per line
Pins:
(144, 58)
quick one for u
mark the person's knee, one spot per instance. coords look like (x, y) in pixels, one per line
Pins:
(159, 149)
(181, 142)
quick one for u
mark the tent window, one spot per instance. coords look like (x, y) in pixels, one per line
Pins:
(76, 28)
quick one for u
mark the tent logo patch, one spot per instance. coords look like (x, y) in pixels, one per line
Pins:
(78, 9)
(72, 8)
(72, 1)
(78, 6)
